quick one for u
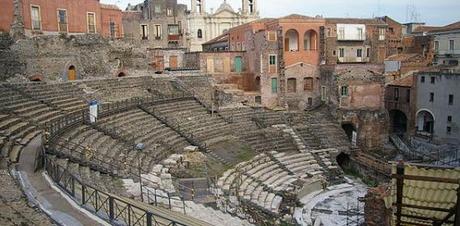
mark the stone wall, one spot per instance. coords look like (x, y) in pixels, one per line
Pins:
(52, 56)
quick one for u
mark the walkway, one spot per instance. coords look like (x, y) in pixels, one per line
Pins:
(38, 190)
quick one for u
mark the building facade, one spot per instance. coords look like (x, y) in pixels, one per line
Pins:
(349, 40)
(205, 26)
(40, 17)
(438, 107)
(156, 23)
(447, 46)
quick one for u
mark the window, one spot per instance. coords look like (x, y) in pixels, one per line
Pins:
(308, 84)
(179, 23)
(271, 36)
(251, 6)
(451, 99)
(436, 45)
(422, 79)
(36, 18)
(112, 29)
(431, 97)
(433, 80)
(272, 64)
(341, 33)
(291, 85)
(173, 29)
(261, 63)
(169, 12)
(360, 33)
(344, 91)
(199, 33)
(359, 53)
(451, 45)
(91, 21)
(158, 32)
(62, 20)
(334, 52)
(157, 9)
(323, 93)
(408, 95)
(341, 52)
(449, 118)
(449, 130)
(381, 34)
(198, 6)
(368, 52)
(274, 85)
(145, 31)
(396, 94)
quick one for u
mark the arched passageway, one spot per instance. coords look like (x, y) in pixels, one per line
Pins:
(425, 122)
(398, 122)
(349, 129)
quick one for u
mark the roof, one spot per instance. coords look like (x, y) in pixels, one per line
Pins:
(407, 81)
(109, 6)
(422, 192)
(450, 27)
(221, 38)
(375, 21)
(298, 16)
(406, 57)
(422, 29)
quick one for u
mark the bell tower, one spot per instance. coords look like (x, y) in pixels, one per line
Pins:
(198, 7)
(249, 7)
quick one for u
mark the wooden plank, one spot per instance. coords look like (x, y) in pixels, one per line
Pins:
(425, 178)
(424, 207)
(399, 191)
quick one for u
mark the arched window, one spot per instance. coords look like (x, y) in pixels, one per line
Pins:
(251, 6)
(291, 40)
(200, 33)
(71, 73)
(310, 40)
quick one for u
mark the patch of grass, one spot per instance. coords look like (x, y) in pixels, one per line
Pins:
(351, 171)
(245, 153)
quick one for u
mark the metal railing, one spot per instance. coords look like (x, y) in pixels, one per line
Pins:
(108, 207)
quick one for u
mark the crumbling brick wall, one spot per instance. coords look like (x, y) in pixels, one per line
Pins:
(51, 57)
(375, 211)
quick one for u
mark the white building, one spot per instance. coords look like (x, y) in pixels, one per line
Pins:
(447, 46)
(204, 26)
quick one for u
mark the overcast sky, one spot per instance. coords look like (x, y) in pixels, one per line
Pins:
(434, 12)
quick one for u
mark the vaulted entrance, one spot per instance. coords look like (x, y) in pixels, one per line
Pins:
(72, 73)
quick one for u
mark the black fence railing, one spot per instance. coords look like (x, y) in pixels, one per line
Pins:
(110, 208)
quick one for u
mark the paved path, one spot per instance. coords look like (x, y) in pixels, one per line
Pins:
(39, 190)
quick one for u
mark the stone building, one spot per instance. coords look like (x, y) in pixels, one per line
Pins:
(447, 46)
(355, 95)
(349, 40)
(39, 17)
(204, 26)
(437, 106)
(400, 101)
(156, 23)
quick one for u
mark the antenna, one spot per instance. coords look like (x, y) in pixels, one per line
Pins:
(412, 14)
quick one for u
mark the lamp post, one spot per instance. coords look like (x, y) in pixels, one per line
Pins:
(139, 147)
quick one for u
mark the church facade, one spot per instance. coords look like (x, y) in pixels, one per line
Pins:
(204, 26)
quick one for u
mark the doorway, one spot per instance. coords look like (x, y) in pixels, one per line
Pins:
(173, 62)
(71, 73)
(238, 64)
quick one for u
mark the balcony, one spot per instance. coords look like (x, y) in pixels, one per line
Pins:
(173, 37)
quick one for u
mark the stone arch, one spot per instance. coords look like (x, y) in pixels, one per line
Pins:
(36, 78)
(71, 73)
(310, 40)
(349, 128)
(291, 40)
(425, 121)
(398, 121)
(121, 74)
